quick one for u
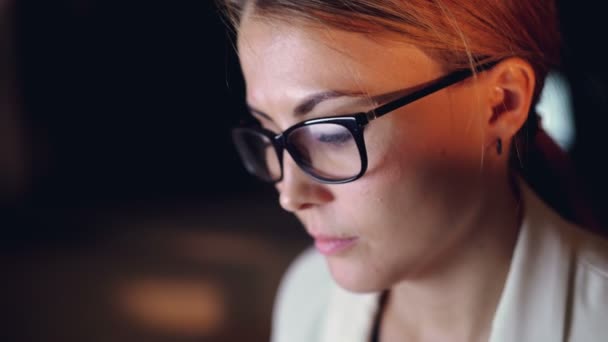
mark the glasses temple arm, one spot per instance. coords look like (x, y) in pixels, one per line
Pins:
(437, 85)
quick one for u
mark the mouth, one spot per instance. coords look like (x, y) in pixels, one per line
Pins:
(328, 245)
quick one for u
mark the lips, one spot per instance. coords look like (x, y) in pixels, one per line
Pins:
(328, 245)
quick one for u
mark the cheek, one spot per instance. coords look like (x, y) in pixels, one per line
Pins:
(416, 178)
(374, 203)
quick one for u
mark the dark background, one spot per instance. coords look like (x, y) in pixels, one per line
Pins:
(119, 186)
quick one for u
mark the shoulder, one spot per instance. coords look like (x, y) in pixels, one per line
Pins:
(589, 296)
(589, 258)
(301, 299)
(558, 279)
(588, 280)
(592, 263)
(592, 253)
(589, 250)
(586, 250)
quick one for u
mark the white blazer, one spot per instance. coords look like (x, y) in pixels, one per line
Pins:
(556, 290)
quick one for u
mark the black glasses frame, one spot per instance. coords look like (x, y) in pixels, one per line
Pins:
(355, 123)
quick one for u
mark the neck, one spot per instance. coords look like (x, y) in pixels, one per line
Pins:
(456, 300)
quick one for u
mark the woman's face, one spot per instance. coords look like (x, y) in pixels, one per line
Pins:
(420, 196)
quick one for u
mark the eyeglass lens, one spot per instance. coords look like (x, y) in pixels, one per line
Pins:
(325, 150)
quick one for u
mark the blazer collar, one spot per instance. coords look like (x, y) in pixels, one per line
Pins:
(350, 316)
(533, 304)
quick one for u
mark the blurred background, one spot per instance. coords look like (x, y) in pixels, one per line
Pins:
(124, 211)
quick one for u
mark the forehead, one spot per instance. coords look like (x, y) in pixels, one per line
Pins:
(298, 58)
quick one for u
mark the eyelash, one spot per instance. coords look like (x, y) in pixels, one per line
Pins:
(336, 139)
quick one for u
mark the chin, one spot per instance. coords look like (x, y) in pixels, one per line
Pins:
(354, 276)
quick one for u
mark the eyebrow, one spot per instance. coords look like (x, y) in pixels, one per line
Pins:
(309, 103)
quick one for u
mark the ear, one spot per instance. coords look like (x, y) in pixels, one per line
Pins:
(510, 86)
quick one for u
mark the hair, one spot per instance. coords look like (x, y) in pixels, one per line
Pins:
(459, 35)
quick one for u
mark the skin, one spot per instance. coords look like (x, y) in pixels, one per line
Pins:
(435, 216)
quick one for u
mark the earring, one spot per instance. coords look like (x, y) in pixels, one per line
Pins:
(499, 146)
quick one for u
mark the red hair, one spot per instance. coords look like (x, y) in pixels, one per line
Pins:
(458, 35)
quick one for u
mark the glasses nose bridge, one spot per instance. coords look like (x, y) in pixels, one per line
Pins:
(280, 146)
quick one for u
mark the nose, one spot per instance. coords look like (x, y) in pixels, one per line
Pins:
(297, 191)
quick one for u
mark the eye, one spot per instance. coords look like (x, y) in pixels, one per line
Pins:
(335, 138)
(321, 137)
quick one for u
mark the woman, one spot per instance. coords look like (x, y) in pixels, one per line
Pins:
(424, 224)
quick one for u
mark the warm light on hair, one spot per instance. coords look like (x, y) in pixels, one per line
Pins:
(456, 34)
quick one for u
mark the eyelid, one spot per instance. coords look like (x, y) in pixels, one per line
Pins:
(365, 103)
(270, 126)
(258, 114)
(359, 105)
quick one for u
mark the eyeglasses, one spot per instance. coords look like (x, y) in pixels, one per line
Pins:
(331, 149)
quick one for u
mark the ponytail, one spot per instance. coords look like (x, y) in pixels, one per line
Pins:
(550, 172)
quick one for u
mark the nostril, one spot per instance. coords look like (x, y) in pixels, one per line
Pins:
(305, 206)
